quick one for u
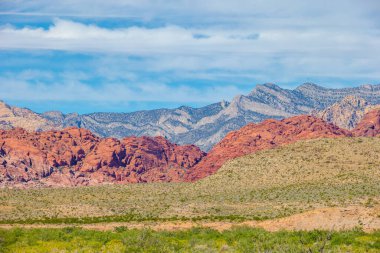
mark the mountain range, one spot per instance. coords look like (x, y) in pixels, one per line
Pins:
(346, 113)
(203, 126)
(75, 156)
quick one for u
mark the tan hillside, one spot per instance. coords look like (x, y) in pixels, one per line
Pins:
(268, 184)
(265, 135)
(21, 117)
(346, 113)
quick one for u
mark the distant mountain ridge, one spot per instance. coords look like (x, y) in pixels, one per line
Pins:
(75, 156)
(346, 113)
(207, 125)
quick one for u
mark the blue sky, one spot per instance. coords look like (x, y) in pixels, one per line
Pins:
(122, 56)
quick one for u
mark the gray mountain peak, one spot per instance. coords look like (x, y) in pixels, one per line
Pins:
(207, 125)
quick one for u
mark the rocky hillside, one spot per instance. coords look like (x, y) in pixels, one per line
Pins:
(207, 125)
(273, 133)
(346, 113)
(369, 125)
(310, 174)
(265, 135)
(75, 156)
(11, 117)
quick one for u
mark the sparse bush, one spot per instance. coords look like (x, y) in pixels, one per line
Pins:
(268, 184)
(240, 239)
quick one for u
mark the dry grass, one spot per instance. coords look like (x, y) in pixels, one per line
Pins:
(240, 239)
(268, 184)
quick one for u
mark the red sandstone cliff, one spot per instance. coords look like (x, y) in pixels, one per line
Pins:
(77, 157)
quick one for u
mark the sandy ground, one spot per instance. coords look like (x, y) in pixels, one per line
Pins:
(334, 218)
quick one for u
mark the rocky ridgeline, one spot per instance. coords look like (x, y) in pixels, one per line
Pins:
(11, 117)
(75, 156)
(346, 113)
(203, 126)
(273, 133)
(265, 135)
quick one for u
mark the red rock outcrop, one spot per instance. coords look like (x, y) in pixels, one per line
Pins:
(267, 134)
(28, 156)
(369, 126)
(77, 157)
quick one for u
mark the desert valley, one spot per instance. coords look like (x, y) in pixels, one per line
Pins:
(162, 126)
(310, 171)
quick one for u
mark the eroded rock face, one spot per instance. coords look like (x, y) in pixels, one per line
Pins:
(140, 159)
(346, 113)
(75, 156)
(11, 117)
(204, 126)
(268, 134)
(30, 156)
(370, 124)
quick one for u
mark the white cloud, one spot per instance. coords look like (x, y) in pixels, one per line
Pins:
(177, 41)
(175, 11)
(74, 36)
(258, 41)
(22, 90)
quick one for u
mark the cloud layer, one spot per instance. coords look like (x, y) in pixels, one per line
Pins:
(172, 47)
(182, 51)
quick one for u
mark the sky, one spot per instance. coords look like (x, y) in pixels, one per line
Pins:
(91, 55)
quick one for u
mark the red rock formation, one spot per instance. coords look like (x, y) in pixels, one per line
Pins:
(369, 125)
(77, 157)
(141, 159)
(26, 156)
(265, 135)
